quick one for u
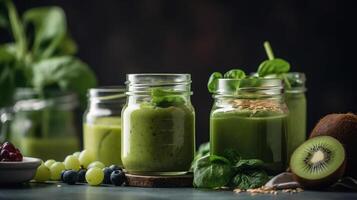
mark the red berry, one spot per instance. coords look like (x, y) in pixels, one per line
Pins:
(5, 155)
(8, 146)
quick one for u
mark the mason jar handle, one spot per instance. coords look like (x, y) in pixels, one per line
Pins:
(6, 116)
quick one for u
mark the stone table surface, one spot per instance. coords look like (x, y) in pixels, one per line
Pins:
(53, 191)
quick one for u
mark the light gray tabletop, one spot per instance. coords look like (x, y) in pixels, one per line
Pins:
(53, 191)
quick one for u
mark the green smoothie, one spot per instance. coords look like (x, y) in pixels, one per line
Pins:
(296, 103)
(158, 140)
(254, 136)
(49, 148)
(102, 140)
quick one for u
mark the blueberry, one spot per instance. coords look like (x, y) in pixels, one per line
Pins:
(62, 173)
(117, 177)
(115, 167)
(107, 172)
(70, 177)
(82, 176)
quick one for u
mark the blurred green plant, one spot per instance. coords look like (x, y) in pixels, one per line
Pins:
(42, 54)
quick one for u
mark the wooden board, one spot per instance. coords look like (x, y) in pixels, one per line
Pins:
(159, 181)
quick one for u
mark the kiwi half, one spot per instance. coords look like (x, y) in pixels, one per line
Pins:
(318, 162)
(343, 127)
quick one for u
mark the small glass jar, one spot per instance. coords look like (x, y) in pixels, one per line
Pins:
(296, 101)
(102, 124)
(158, 124)
(250, 116)
(43, 125)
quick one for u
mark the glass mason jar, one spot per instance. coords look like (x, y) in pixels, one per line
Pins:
(250, 116)
(296, 101)
(102, 124)
(158, 124)
(43, 126)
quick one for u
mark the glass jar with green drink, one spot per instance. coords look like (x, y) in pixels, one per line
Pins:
(43, 124)
(296, 101)
(158, 124)
(249, 115)
(102, 124)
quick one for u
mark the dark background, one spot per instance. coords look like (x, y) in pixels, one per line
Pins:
(117, 37)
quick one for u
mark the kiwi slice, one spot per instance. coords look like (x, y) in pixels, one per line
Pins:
(318, 162)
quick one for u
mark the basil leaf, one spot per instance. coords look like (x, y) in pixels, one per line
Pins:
(50, 29)
(235, 74)
(213, 81)
(274, 66)
(212, 172)
(66, 72)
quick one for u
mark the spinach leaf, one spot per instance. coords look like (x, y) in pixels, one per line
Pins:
(275, 66)
(165, 98)
(49, 30)
(249, 164)
(232, 155)
(203, 150)
(249, 179)
(235, 74)
(66, 72)
(212, 172)
(213, 81)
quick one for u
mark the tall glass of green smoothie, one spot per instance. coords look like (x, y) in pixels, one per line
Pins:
(158, 135)
(102, 124)
(296, 101)
(250, 119)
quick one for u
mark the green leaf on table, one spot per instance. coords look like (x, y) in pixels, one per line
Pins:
(50, 29)
(249, 179)
(213, 81)
(66, 72)
(203, 150)
(249, 164)
(232, 155)
(212, 172)
(274, 66)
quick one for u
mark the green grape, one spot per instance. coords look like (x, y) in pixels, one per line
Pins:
(42, 173)
(98, 164)
(72, 162)
(48, 163)
(85, 158)
(76, 154)
(94, 176)
(56, 169)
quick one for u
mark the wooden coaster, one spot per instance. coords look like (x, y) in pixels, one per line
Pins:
(159, 181)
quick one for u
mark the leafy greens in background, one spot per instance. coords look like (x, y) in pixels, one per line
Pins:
(230, 170)
(42, 54)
